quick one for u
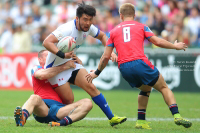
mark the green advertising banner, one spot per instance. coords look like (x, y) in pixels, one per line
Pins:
(181, 72)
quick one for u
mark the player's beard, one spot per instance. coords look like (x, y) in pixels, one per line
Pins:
(81, 27)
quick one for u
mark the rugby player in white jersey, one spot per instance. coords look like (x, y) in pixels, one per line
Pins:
(79, 29)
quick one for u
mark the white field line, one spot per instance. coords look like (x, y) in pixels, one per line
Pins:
(103, 119)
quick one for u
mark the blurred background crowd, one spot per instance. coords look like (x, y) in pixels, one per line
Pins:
(24, 24)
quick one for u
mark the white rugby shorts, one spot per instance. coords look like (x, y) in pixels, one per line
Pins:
(63, 77)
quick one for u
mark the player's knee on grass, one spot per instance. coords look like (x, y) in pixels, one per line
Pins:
(35, 99)
(87, 103)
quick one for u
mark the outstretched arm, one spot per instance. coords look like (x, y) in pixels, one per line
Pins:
(165, 44)
(48, 73)
(102, 37)
(105, 58)
(102, 64)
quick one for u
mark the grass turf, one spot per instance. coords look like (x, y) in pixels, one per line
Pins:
(122, 103)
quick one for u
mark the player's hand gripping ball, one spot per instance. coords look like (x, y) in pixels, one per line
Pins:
(67, 44)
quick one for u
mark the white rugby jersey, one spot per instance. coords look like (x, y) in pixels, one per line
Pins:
(69, 29)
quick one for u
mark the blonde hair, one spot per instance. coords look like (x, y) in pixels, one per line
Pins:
(127, 10)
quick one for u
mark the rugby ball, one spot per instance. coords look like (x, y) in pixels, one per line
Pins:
(67, 44)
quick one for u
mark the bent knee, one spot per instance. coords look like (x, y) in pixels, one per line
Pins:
(35, 98)
(162, 87)
(160, 84)
(90, 86)
(68, 101)
(87, 104)
(91, 90)
(71, 101)
(144, 93)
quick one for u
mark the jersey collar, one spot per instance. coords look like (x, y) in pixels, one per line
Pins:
(75, 23)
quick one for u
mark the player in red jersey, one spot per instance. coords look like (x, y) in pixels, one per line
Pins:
(136, 69)
(45, 104)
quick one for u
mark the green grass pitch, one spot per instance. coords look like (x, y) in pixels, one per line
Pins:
(122, 103)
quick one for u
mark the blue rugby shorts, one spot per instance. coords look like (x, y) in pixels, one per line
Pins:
(54, 106)
(137, 73)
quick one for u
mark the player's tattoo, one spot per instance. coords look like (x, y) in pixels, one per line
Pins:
(103, 64)
(71, 111)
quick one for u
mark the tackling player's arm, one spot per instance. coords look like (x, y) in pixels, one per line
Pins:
(102, 37)
(76, 59)
(165, 44)
(48, 73)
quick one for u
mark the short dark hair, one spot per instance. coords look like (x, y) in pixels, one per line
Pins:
(40, 53)
(85, 9)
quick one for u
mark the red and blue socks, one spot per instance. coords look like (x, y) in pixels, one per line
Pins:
(174, 109)
(65, 121)
(141, 114)
(26, 113)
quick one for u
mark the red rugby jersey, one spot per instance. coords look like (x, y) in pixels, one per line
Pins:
(43, 88)
(128, 39)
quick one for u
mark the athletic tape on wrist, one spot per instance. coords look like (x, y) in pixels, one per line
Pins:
(97, 72)
(60, 54)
